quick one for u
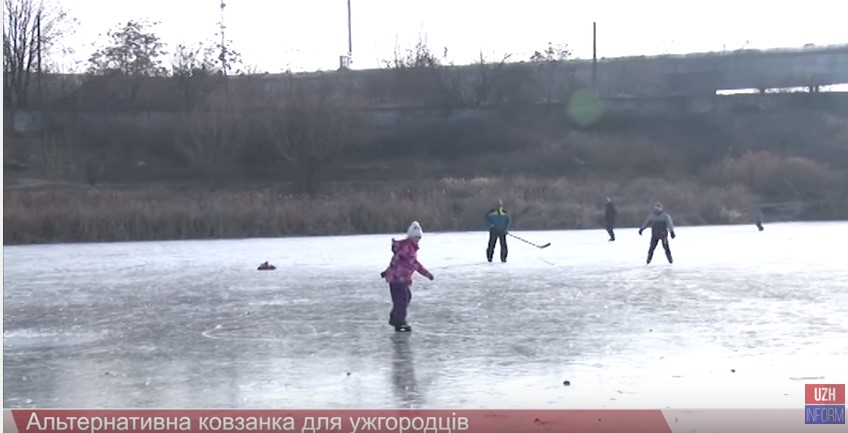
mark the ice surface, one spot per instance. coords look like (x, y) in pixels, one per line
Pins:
(194, 324)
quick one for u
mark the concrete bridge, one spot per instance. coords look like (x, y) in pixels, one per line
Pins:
(704, 74)
(696, 75)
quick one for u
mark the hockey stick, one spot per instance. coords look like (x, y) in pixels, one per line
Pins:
(528, 242)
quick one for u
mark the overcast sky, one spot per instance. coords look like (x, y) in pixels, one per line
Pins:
(275, 35)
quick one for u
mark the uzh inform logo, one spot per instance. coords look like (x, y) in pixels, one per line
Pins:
(824, 404)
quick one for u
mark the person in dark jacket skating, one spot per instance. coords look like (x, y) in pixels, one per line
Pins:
(610, 214)
(499, 223)
(661, 224)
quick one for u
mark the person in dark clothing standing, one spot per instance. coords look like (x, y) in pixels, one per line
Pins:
(499, 222)
(661, 224)
(609, 216)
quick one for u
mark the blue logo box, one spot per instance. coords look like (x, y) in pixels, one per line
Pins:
(824, 414)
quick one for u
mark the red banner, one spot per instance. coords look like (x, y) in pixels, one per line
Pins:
(409, 421)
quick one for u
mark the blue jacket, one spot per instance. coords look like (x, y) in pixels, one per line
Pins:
(498, 219)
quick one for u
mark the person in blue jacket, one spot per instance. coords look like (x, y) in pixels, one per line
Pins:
(499, 224)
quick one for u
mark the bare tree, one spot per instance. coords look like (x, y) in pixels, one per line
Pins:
(198, 70)
(31, 29)
(310, 129)
(425, 76)
(253, 69)
(198, 59)
(419, 56)
(194, 68)
(553, 74)
(130, 54)
(553, 53)
(132, 50)
(491, 82)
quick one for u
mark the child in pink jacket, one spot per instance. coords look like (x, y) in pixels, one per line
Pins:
(395, 243)
(399, 275)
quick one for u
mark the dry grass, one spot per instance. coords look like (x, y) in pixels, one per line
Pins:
(147, 213)
(712, 190)
(778, 176)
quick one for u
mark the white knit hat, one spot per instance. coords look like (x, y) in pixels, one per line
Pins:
(414, 230)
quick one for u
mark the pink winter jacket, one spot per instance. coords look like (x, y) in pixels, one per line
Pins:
(405, 263)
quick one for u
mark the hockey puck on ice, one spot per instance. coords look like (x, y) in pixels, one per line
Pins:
(566, 383)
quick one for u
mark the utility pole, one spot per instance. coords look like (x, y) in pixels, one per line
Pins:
(595, 57)
(349, 32)
(346, 60)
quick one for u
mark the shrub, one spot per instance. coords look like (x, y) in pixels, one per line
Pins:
(776, 176)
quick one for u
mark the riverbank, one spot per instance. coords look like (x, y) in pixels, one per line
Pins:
(134, 213)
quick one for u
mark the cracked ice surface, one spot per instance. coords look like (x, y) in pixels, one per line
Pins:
(194, 324)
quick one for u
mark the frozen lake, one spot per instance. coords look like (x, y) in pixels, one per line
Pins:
(741, 319)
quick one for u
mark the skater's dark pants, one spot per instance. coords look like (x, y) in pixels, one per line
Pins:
(401, 296)
(656, 240)
(610, 231)
(496, 235)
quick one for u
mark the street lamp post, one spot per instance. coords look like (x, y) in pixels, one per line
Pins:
(349, 32)
(346, 60)
(595, 56)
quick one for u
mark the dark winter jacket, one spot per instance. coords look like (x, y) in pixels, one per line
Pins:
(660, 222)
(498, 219)
(610, 213)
